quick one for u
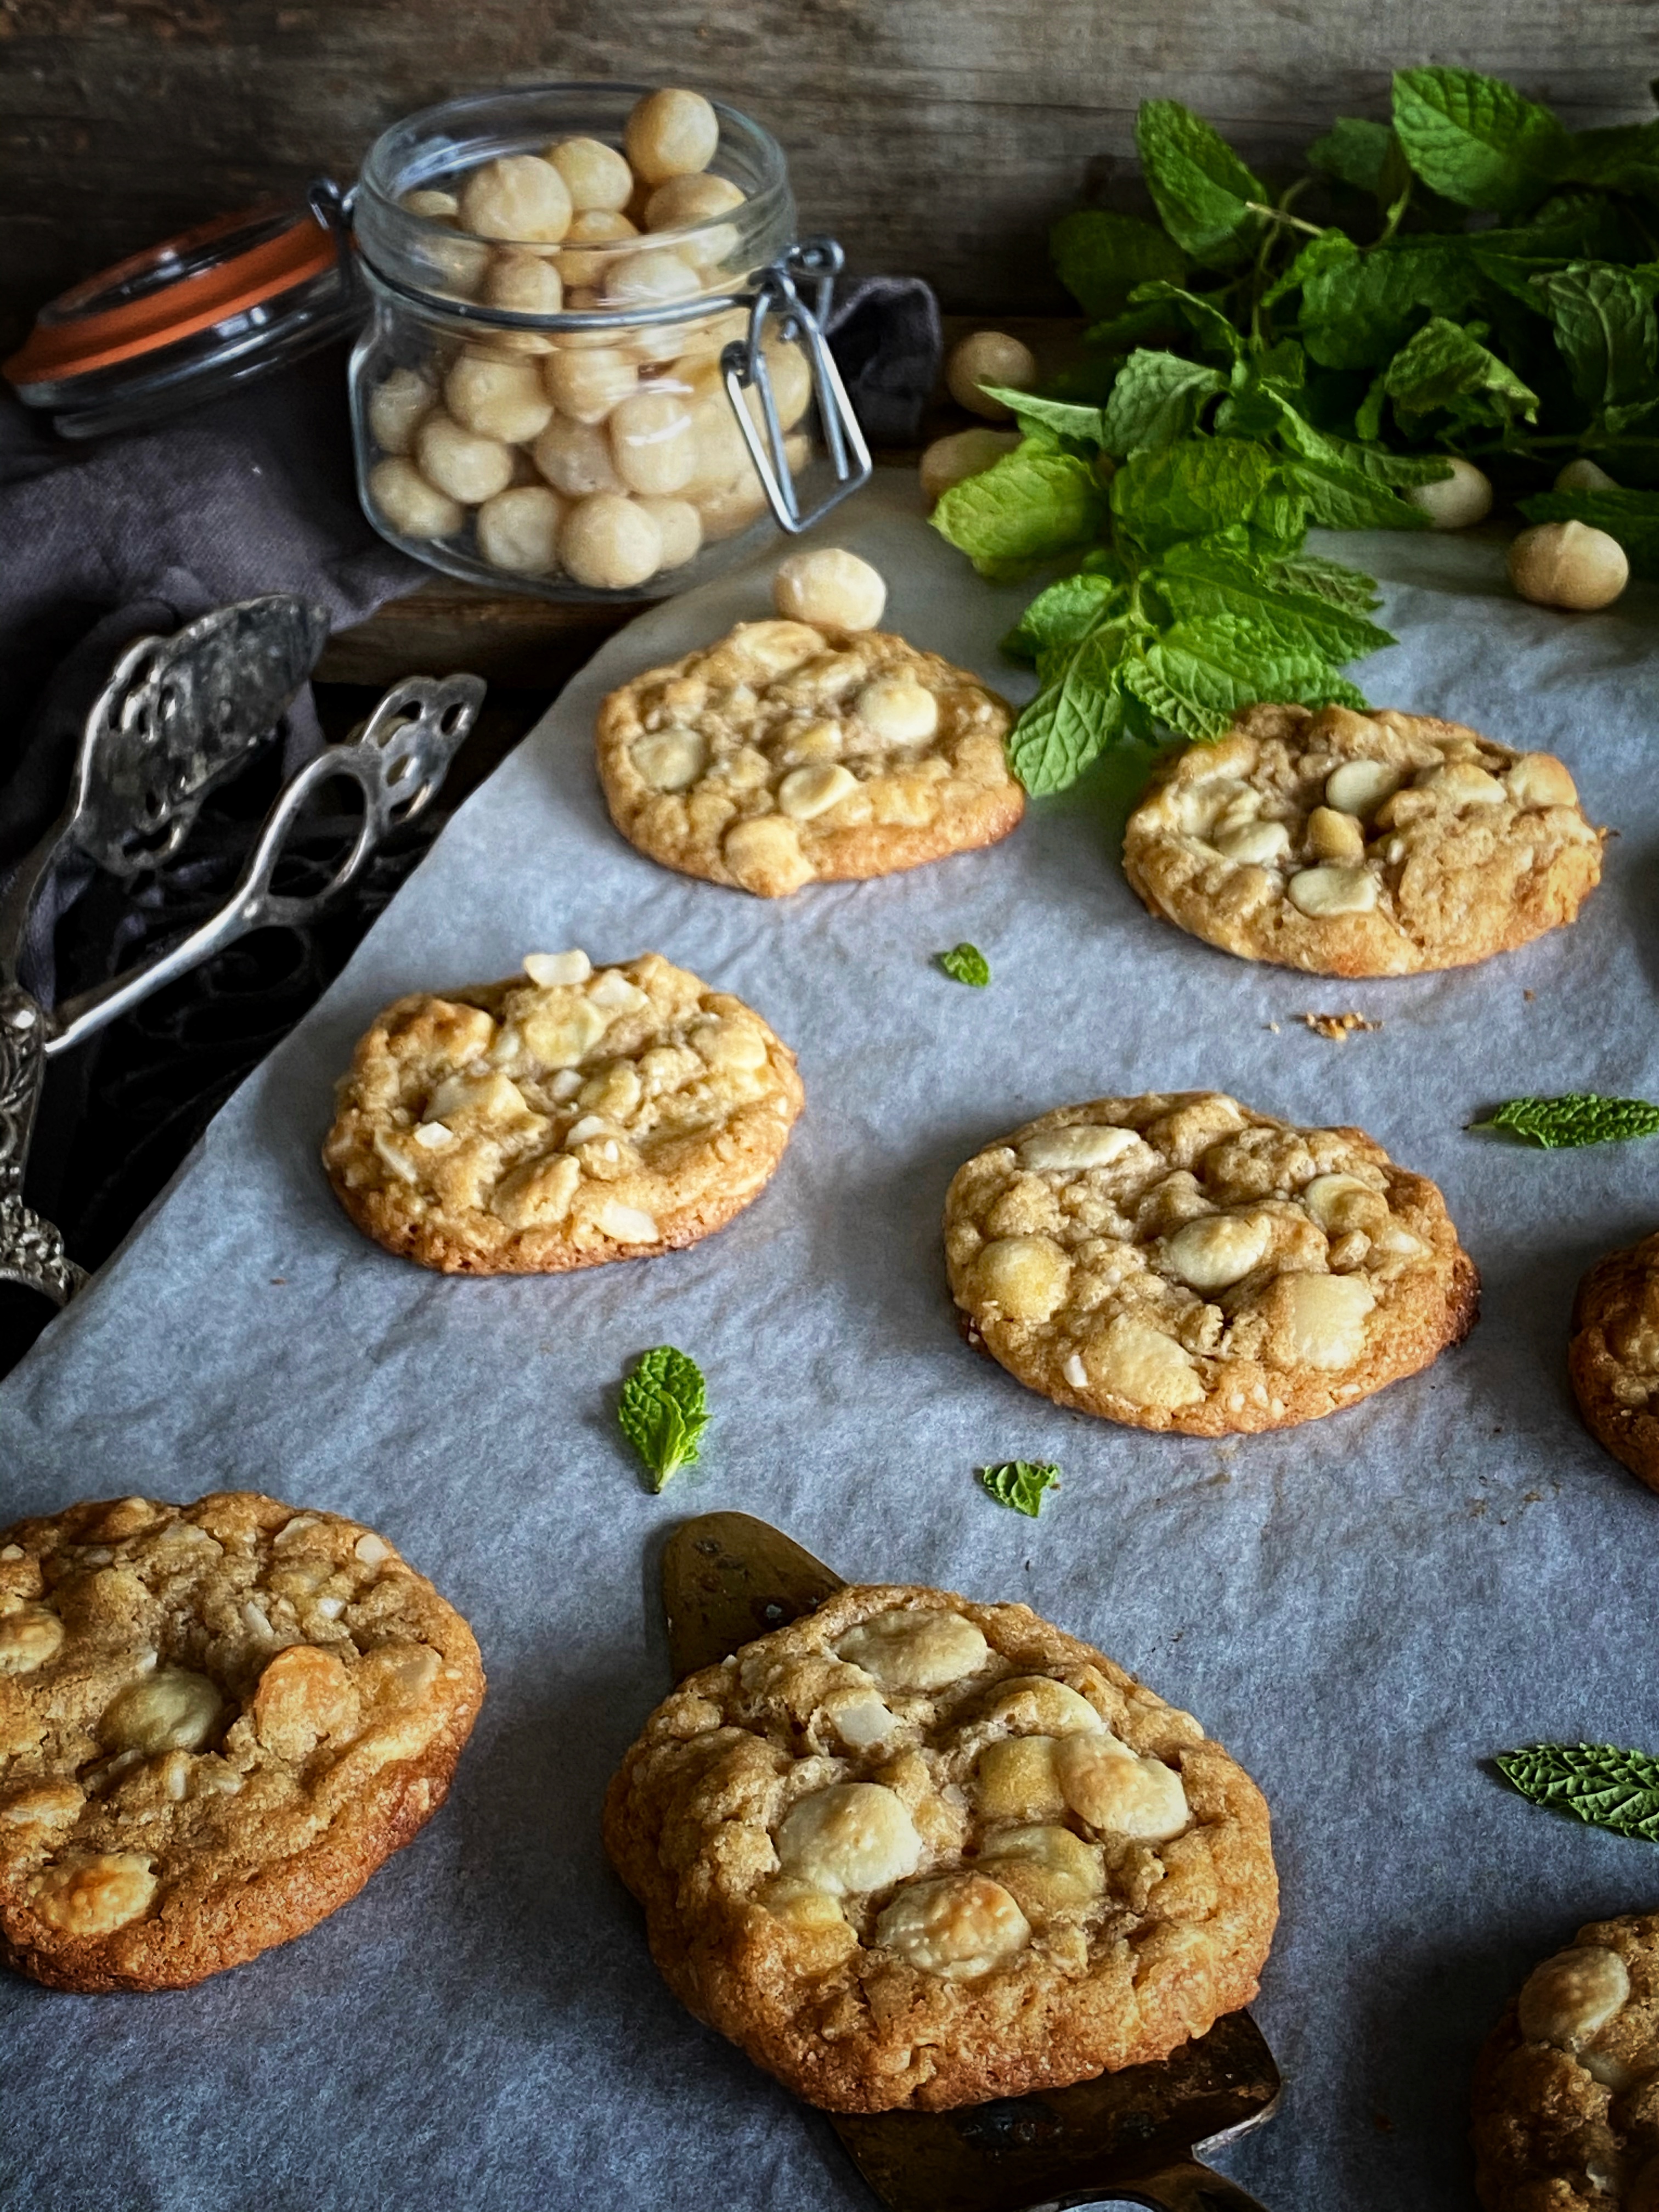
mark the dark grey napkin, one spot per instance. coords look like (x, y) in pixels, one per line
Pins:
(884, 333)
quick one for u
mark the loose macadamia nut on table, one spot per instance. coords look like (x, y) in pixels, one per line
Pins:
(830, 586)
(989, 357)
(518, 196)
(1584, 474)
(964, 454)
(670, 134)
(1457, 502)
(1568, 564)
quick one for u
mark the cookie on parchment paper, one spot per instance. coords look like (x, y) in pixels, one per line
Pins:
(1351, 844)
(790, 753)
(911, 1850)
(1565, 2113)
(565, 1116)
(1180, 1261)
(216, 1721)
(1613, 1356)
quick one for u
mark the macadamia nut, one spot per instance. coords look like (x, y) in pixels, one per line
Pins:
(829, 586)
(653, 442)
(1584, 474)
(989, 357)
(585, 387)
(670, 134)
(528, 283)
(1568, 564)
(595, 175)
(468, 465)
(396, 408)
(519, 529)
(964, 454)
(688, 199)
(650, 279)
(610, 542)
(498, 399)
(1457, 502)
(592, 227)
(410, 505)
(436, 206)
(681, 526)
(575, 458)
(517, 196)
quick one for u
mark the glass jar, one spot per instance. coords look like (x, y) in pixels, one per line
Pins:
(617, 407)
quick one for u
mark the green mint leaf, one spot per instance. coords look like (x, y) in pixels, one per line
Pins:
(1198, 675)
(1100, 257)
(1193, 489)
(1474, 139)
(1360, 308)
(1325, 251)
(965, 963)
(1076, 714)
(1363, 153)
(1595, 1781)
(1020, 1483)
(1622, 159)
(664, 1410)
(1030, 506)
(1203, 577)
(1397, 470)
(1631, 516)
(1341, 498)
(1620, 419)
(1199, 186)
(1064, 417)
(1202, 317)
(1367, 415)
(1579, 1117)
(1443, 367)
(1604, 326)
(1327, 579)
(1157, 399)
(1063, 616)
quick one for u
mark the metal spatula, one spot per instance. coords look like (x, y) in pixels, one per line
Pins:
(1133, 2137)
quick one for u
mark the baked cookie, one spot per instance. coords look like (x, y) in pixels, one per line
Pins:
(1361, 844)
(912, 1851)
(216, 1721)
(792, 753)
(1566, 2088)
(1613, 1356)
(1179, 1261)
(565, 1116)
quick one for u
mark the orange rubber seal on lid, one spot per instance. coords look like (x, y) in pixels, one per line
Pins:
(54, 350)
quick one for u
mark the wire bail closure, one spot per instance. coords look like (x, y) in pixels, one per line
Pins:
(743, 363)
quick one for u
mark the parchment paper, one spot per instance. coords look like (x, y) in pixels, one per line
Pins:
(1362, 1609)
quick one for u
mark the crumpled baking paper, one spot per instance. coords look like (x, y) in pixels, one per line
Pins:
(1363, 1609)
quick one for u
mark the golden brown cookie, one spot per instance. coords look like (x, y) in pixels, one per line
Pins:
(564, 1117)
(1180, 1261)
(1361, 844)
(216, 1721)
(790, 753)
(914, 1850)
(1613, 1356)
(1567, 2089)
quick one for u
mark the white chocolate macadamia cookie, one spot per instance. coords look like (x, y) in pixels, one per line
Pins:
(910, 1850)
(216, 1721)
(1351, 844)
(790, 753)
(1177, 1261)
(1566, 2088)
(564, 1117)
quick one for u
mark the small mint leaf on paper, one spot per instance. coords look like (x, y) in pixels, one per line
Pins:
(1578, 1117)
(664, 1410)
(966, 963)
(1476, 140)
(1595, 1781)
(1020, 1483)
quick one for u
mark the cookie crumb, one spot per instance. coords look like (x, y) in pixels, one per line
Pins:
(1530, 996)
(1339, 1028)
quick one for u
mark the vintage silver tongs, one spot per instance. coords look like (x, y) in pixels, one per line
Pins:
(180, 716)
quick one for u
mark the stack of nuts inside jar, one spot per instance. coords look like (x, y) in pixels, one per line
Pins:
(608, 456)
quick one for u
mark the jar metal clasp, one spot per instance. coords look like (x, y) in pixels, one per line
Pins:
(742, 364)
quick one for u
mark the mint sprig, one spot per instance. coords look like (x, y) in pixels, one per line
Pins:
(663, 1411)
(1597, 1783)
(1577, 1117)
(966, 963)
(1020, 1483)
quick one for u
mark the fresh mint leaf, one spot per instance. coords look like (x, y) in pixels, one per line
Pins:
(1342, 498)
(1325, 251)
(1157, 399)
(1604, 326)
(664, 1410)
(1030, 506)
(1361, 308)
(1595, 1781)
(965, 963)
(1578, 1117)
(1208, 325)
(1363, 153)
(1198, 673)
(1078, 712)
(1327, 579)
(1063, 616)
(1066, 417)
(1021, 1483)
(1199, 186)
(1100, 257)
(1624, 158)
(1191, 490)
(1631, 516)
(1475, 140)
(1444, 367)
(1203, 577)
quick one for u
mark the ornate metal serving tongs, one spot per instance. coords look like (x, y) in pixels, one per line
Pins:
(178, 717)
(1133, 2137)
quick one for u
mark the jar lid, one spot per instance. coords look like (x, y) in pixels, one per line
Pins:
(182, 320)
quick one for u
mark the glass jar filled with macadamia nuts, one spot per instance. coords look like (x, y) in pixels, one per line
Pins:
(591, 372)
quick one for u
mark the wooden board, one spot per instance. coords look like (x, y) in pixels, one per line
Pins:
(939, 137)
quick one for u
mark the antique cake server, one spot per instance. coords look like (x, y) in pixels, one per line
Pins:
(180, 716)
(1133, 2137)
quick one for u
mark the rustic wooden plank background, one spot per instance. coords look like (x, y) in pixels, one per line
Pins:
(937, 136)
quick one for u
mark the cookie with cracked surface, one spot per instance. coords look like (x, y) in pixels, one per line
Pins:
(216, 1721)
(915, 1850)
(1180, 1261)
(1566, 2088)
(790, 753)
(1613, 1356)
(1351, 844)
(567, 1116)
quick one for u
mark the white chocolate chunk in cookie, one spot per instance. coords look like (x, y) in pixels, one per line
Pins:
(1568, 1997)
(30, 1637)
(1069, 1870)
(852, 1836)
(1017, 1777)
(1133, 1360)
(1119, 1792)
(172, 1710)
(93, 1893)
(1217, 1249)
(915, 1650)
(1074, 1150)
(959, 1926)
